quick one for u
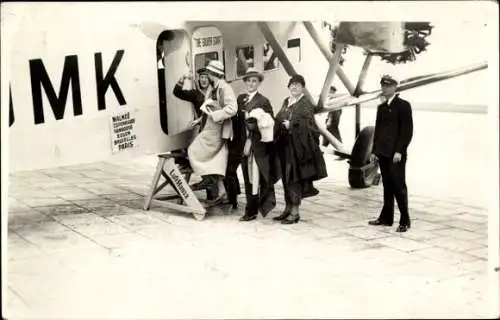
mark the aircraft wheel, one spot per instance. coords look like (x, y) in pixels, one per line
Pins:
(361, 172)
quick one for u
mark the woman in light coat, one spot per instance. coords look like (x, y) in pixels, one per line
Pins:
(208, 152)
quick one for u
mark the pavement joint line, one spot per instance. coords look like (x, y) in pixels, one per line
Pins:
(59, 206)
(473, 258)
(24, 238)
(456, 276)
(75, 231)
(19, 296)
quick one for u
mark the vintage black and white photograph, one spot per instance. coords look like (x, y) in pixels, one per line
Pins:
(250, 160)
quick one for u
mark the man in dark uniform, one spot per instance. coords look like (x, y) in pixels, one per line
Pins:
(332, 121)
(393, 133)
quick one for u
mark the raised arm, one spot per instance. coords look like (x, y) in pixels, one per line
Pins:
(186, 95)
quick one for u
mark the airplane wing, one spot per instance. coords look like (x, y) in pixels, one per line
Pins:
(411, 83)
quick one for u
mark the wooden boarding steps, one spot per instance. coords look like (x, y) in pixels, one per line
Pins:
(179, 180)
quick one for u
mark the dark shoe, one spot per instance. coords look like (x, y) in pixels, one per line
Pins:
(403, 228)
(282, 216)
(292, 220)
(378, 222)
(203, 184)
(217, 201)
(234, 203)
(248, 218)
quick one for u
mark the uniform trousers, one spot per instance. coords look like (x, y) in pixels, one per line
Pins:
(394, 182)
(333, 127)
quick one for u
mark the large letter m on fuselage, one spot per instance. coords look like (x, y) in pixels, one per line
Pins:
(40, 78)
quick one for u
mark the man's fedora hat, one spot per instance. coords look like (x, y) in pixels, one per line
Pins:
(252, 72)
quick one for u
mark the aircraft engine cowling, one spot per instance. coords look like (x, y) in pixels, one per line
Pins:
(415, 43)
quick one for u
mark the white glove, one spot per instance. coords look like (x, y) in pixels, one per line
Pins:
(195, 122)
(205, 106)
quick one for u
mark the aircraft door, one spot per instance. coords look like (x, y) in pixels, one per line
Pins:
(207, 45)
(173, 50)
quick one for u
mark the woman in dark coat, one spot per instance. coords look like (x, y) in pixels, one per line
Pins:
(296, 140)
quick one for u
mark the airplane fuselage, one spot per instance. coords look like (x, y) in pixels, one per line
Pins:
(72, 79)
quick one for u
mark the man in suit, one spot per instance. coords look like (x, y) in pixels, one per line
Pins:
(332, 121)
(393, 133)
(259, 162)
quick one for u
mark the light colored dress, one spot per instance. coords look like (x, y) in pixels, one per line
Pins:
(208, 152)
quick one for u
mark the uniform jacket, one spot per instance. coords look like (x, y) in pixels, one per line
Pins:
(298, 146)
(393, 128)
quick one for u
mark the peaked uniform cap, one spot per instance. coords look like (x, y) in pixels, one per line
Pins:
(387, 79)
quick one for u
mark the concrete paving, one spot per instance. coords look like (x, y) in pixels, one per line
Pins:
(80, 245)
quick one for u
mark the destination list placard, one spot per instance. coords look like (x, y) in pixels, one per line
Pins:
(123, 132)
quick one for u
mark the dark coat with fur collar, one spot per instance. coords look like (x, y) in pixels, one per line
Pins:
(298, 146)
